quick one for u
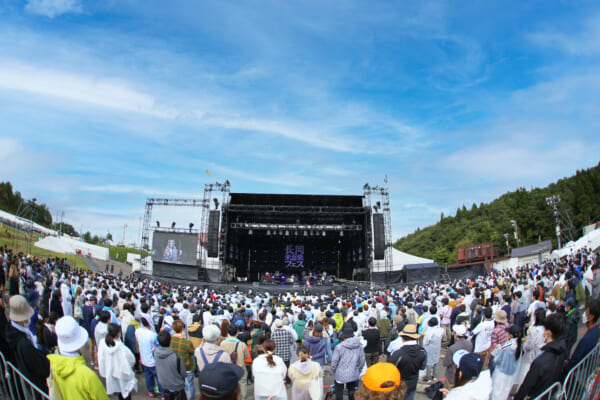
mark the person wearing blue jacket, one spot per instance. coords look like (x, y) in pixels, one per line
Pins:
(590, 339)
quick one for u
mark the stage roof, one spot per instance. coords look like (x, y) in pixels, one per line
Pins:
(296, 200)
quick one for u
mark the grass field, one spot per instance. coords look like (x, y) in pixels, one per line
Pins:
(20, 243)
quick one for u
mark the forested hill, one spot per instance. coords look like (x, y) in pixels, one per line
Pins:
(580, 202)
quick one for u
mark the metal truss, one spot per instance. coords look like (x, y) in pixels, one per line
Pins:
(146, 268)
(384, 205)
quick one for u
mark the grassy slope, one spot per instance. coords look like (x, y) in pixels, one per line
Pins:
(22, 245)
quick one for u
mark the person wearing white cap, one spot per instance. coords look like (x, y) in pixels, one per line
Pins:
(25, 355)
(73, 378)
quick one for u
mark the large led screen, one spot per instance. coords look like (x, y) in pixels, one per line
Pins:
(175, 248)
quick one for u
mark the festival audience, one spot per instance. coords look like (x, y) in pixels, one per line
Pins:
(342, 335)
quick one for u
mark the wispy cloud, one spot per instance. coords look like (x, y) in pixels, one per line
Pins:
(53, 8)
(584, 42)
(95, 91)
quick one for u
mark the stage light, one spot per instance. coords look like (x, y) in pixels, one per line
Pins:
(287, 233)
(158, 224)
(250, 232)
(324, 234)
(216, 201)
(305, 233)
(378, 204)
(191, 226)
(268, 232)
(173, 225)
(341, 233)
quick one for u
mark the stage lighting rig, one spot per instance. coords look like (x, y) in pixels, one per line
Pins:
(173, 225)
(158, 224)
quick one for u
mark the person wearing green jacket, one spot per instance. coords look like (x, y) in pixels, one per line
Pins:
(71, 376)
(299, 326)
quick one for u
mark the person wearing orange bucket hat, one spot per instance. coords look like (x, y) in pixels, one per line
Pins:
(382, 381)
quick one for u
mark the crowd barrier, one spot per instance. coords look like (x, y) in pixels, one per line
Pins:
(581, 383)
(14, 385)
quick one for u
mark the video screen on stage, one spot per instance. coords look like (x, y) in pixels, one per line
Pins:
(175, 248)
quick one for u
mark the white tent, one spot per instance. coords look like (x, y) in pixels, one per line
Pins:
(24, 224)
(72, 246)
(399, 260)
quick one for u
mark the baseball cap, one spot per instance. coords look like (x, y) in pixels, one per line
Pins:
(218, 380)
(460, 330)
(378, 374)
(470, 364)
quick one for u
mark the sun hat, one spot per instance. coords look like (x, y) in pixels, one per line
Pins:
(500, 316)
(71, 336)
(410, 331)
(278, 323)
(220, 378)
(460, 330)
(378, 374)
(470, 364)
(19, 309)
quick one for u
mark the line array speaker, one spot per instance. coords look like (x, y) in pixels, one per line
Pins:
(378, 237)
(212, 247)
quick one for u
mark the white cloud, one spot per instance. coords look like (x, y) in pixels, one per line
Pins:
(53, 8)
(80, 88)
(585, 42)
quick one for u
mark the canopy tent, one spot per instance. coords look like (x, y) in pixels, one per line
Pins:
(72, 246)
(400, 261)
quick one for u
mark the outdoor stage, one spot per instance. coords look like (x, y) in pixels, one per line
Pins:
(274, 240)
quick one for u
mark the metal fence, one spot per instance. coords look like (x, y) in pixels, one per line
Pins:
(14, 385)
(579, 380)
(554, 392)
(582, 382)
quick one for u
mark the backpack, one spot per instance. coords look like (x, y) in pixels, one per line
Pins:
(214, 360)
(233, 354)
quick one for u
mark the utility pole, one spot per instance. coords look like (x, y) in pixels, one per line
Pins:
(507, 244)
(514, 224)
(553, 201)
(124, 228)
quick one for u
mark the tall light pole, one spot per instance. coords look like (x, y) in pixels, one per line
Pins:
(507, 244)
(553, 201)
(514, 224)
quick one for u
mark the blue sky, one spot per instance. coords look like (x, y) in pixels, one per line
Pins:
(105, 103)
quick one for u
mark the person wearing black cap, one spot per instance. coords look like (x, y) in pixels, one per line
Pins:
(220, 381)
(470, 382)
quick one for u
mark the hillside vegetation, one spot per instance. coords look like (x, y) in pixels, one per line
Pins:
(580, 202)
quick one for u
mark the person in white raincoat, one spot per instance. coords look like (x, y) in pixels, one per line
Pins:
(115, 362)
(505, 363)
(432, 342)
(306, 376)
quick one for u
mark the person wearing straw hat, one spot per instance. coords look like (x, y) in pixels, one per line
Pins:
(72, 377)
(24, 351)
(382, 381)
(409, 359)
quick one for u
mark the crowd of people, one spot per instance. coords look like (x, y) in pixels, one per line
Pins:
(506, 334)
